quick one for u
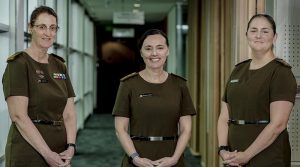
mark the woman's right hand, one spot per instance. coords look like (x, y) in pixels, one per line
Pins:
(143, 162)
(228, 156)
(53, 159)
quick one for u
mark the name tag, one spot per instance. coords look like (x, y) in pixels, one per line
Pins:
(146, 95)
(234, 81)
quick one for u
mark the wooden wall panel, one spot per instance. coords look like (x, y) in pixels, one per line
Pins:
(193, 75)
(204, 43)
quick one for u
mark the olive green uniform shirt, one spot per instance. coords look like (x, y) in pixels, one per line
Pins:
(48, 87)
(154, 109)
(249, 94)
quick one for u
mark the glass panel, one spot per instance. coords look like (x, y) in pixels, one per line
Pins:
(4, 118)
(62, 22)
(51, 3)
(88, 36)
(77, 27)
(4, 8)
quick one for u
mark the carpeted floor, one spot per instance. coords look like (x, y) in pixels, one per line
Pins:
(97, 145)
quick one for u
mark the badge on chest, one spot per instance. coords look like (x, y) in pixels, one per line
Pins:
(41, 76)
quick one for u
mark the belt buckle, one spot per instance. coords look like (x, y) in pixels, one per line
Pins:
(36, 121)
(240, 122)
(262, 122)
(56, 123)
(156, 138)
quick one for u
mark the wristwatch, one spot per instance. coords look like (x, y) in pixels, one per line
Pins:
(71, 145)
(226, 148)
(132, 156)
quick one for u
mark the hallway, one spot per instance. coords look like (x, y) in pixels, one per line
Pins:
(99, 147)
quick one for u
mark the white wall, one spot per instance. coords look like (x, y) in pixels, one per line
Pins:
(171, 62)
(4, 52)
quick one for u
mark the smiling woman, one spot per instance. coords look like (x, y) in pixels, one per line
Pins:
(261, 36)
(258, 100)
(153, 103)
(154, 52)
(39, 97)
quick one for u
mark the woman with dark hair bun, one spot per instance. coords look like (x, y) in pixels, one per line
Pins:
(258, 100)
(40, 100)
(153, 109)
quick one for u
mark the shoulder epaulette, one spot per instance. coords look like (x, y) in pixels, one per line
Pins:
(283, 62)
(129, 76)
(14, 56)
(242, 62)
(178, 76)
(58, 57)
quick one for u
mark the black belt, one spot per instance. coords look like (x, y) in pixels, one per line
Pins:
(245, 122)
(47, 122)
(153, 138)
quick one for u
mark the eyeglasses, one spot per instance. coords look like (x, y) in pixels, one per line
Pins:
(43, 27)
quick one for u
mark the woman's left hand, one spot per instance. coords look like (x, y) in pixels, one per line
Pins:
(67, 156)
(166, 162)
(240, 159)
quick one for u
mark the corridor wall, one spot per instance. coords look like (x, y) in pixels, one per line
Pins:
(210, 59)
(4, 51)
(171, 32)
(193, 74)
(176, 31)
(287, 47)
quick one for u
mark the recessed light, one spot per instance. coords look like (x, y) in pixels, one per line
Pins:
(137, 5)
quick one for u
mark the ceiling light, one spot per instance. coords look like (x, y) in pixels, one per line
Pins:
(137, 5)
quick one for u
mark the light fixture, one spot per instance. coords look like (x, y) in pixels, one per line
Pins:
(137, 5)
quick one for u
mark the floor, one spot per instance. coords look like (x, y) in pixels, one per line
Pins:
(99, 147)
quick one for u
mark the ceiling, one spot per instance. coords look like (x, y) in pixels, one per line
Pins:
(101, 11)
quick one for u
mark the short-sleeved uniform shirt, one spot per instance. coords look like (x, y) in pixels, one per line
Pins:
(47, 87)
(249, 94)
(154, 109)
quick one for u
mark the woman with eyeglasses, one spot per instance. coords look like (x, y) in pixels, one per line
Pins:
(153, 109)
(258, 100)
(40, 100)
